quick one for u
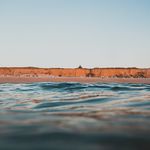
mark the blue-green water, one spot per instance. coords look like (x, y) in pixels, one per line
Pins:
(74, 116)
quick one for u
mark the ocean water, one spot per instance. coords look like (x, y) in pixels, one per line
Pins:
(74, 116)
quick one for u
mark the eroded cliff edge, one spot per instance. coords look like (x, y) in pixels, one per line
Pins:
(75, 72)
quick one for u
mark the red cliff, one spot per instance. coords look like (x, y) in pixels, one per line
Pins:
(77, 72)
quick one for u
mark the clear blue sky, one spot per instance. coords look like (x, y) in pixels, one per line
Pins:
(67, 33)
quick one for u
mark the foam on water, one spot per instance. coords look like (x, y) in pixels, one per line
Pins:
(75, 116)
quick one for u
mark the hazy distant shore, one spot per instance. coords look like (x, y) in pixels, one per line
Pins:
(13, 79)
(75, 72)
(32, 74)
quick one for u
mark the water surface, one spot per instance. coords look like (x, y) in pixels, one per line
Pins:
(74, 116)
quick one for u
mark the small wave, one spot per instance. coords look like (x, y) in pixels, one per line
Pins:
(117, 88)
(139, 104)
(23, 89)
(127, 88)
(57, 104)
(72, 86)
(64, 115)
(58, 86)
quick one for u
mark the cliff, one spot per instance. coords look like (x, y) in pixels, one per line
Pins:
(76, 72)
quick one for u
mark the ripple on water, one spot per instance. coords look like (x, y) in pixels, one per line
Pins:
(62, 115)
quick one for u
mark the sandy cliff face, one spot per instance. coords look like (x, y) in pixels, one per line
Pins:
(148, 73)
(96, 72)
(117, 72)
(69, 72)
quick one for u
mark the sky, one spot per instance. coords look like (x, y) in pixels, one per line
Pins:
(69, 33)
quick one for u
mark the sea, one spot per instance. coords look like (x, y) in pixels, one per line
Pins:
(74, 116)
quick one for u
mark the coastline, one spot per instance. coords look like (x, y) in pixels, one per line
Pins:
(15, 79)
(76, 72)
(83, 75)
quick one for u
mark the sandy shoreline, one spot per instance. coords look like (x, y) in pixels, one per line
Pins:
(13, 79)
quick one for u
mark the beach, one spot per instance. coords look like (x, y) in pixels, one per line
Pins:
(15, 79)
